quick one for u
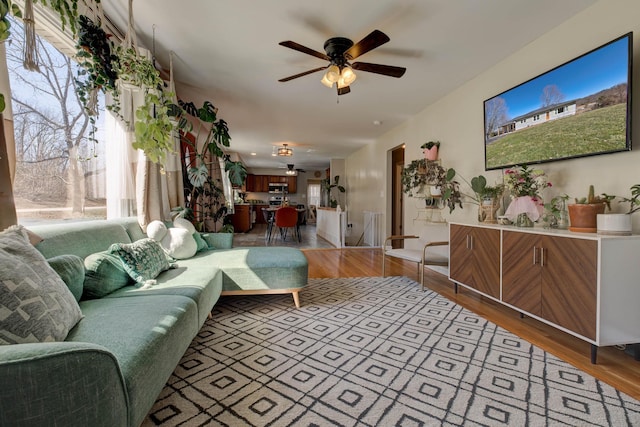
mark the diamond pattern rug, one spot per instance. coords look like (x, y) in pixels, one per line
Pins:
(374, 352)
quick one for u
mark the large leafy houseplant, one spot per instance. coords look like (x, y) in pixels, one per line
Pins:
(420, 173)
(204, 195)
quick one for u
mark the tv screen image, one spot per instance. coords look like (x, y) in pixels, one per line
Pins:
(580, 108)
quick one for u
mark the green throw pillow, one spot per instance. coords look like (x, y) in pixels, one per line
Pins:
(35, 304)
(143, 260)
(105, 273)
(202, 244)
(70, 268)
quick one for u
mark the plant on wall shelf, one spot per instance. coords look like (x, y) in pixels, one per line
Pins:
(420, 173)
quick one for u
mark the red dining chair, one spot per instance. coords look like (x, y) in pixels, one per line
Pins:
(286, 218)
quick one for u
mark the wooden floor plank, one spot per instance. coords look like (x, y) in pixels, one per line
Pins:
(614, 366)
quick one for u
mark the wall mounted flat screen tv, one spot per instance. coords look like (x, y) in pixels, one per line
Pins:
(581, 108)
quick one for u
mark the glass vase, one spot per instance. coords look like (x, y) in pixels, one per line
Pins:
(523, 220)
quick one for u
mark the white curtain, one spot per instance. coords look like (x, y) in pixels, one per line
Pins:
(136, 186)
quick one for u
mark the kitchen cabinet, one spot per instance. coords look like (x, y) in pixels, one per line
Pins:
(475, 258)
(260, 214)
(584, 284)
(260, 183)
(242, 218)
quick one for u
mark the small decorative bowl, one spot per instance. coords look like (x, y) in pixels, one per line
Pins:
(503, 220)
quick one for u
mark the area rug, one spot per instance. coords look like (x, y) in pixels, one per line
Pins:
(374, 352)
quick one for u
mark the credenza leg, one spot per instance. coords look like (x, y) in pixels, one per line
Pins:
(594, 353)
(521, 315)
(455, 288)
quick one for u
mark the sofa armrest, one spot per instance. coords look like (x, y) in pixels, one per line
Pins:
(219, 240)
(62, 383)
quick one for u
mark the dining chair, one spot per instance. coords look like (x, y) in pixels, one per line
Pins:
(268, 219)
(287, 218)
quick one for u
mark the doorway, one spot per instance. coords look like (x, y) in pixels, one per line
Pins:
(397, 205)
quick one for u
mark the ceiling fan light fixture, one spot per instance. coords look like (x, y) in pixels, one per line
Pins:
(325, 81)
(342, 83)
(348, 75)
(333, 73)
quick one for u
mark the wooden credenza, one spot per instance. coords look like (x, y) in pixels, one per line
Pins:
(585, 284)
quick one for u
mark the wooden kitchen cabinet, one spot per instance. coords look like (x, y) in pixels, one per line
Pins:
(250, 183)
(242, 218)
(552, 277)
(475, 258)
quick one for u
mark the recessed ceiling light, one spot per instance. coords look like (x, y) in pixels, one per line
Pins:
(254, 154)
(377, 122)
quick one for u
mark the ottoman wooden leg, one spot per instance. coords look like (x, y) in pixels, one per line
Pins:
(296, 299)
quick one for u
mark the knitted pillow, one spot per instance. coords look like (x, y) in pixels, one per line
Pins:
(143, 260)
(35, 304)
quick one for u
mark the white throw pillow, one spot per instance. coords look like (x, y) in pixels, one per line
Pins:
(35, 304)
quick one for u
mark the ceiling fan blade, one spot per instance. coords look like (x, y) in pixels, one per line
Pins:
(304, 49)
(373, 40)
(286, 79)
(344, 90)
(386, 70)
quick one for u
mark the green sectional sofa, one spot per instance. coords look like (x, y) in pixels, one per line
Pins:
(114, 363)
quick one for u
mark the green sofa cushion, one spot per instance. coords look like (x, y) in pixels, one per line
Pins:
(105, 273)
(259, 268)
(70, 268)
(196, 278)
(148, 336)
(79, 238)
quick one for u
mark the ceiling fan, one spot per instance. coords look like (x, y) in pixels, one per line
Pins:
(339, 52)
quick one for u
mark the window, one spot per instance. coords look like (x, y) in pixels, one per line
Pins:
(313, 194)
(60, 170)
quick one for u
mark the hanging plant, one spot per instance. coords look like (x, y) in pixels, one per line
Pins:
(67, 10)
(136, 71)
(153, 128)
(96, 60)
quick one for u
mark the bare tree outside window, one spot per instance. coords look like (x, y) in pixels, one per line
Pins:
(551, 95)
(56, 161)
(496, 115)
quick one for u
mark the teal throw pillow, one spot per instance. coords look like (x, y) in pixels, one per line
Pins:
(70, 268)
(105, 273)
(202, 244)
(143, 260)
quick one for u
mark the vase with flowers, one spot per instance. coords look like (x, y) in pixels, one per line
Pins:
(525, 185)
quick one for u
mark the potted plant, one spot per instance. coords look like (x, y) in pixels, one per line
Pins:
(430, 150)
(620, 223)
(204, 198)
(525, 186)
(487, 197)
(135, 71)
(555, 212)
(333, 203)
(420, 173)
(583, 213)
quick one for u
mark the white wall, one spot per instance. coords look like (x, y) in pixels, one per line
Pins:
(463, 145)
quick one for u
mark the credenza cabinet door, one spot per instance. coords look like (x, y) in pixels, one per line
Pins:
(569, 283)
(554, 278)
(521, 271)
(475, 258)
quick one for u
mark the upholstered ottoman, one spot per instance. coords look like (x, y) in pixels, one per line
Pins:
(262, 270)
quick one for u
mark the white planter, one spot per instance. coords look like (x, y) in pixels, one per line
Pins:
(435, 191)
(614, 224)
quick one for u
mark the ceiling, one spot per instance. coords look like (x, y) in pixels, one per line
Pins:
(227, 51)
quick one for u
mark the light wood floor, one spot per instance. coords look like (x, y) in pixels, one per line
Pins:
(614, 366)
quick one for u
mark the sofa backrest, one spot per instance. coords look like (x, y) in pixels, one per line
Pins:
(80, 238)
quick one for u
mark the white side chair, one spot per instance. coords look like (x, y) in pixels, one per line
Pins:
(423, 257)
